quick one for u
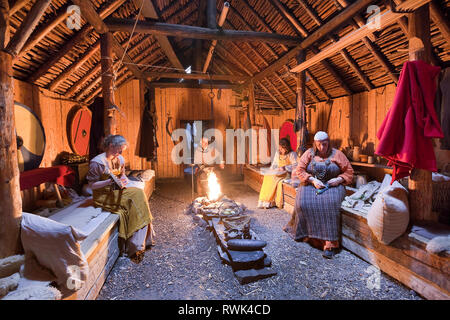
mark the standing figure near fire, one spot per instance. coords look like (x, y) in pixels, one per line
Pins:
(323, 172)
(284, 161)
(130, 203)
(206, 157)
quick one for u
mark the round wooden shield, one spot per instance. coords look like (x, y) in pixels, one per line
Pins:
(79, 131)
(287, 131)
(30, 137)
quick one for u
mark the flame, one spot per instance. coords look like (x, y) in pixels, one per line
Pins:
(214, 191)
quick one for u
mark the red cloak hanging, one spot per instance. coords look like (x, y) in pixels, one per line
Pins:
(406, 132)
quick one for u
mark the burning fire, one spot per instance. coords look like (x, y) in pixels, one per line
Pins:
(214, 191)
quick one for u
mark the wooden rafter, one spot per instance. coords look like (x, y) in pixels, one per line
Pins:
(149, 11)
(255, 52)
(194, 32)
(40, 34)
(386, 18)
(26, 28)
(223, 16)
(74, 66)
(70, 44)
(285, 12)
(196, 76)
(19, 4)
(260, 20)
(372, 47)
(249, 27)
(91, 15)
(271, 95)
(440, 21)
(321, 32)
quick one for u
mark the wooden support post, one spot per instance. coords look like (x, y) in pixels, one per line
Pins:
(301, 98)
(252, 112)
(251, 102)
(10, 198)
(106, 49)
(420, 183)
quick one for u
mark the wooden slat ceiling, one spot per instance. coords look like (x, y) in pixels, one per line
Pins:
(77, 74)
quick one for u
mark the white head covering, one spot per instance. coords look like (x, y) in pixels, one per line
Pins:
(321, 135)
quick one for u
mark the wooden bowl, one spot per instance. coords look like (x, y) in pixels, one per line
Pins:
(363, 157)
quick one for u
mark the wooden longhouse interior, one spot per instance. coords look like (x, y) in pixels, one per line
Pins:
(73, 72)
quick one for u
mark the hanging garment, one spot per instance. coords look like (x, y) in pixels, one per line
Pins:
(97, 127)
(406, 132)
(445, 109)
(147, 136)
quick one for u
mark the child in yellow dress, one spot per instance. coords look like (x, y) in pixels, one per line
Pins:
(285, 161)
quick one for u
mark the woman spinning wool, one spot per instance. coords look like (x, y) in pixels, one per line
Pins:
(135, 224)
(323, 171)
(285, 160)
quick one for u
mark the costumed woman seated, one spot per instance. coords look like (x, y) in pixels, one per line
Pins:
(323, 172)
(284, 161)
(123, 197)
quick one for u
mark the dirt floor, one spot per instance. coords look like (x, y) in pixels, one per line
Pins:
(184, 263)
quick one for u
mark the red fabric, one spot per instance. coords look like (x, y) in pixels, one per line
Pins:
(62, 175)
(406, 132)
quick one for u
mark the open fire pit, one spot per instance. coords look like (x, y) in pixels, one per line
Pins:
(238, 246)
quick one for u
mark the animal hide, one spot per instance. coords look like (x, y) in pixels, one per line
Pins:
(439, 244)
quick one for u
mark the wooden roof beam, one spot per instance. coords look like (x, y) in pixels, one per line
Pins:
(260, 83)
(196, 76)
(22, 34)
(36, 37)
(90, 14)
(19, 4)
(440, 21)
(222, 18)
(300, 29)
(149, 11)
(194, 32)
(70, 44)
(244, 22)
(261, 20)
(285, 12)
(372, 47)
(386, 18)
(321, 32)
(255, 52)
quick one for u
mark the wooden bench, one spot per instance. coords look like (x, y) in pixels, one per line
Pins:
(405, 259)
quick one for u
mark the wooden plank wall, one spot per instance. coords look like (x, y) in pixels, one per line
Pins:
(129, 99)
(357, 117)
(188, 104)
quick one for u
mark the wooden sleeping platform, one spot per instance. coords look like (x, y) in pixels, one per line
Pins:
(101, 247)
(405, 259)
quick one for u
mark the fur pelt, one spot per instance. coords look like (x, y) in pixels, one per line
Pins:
(11, 265)
(439, 244)
(9, 283)
(34, 293)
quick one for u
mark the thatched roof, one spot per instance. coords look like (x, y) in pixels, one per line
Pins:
(77, 74)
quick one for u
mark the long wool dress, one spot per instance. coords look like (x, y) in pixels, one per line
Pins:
(271, 193)
(317, 216)
(135, 218)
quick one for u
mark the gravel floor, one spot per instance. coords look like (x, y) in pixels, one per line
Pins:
(185, 264)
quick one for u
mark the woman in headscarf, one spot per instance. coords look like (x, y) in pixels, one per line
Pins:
(271, 193)
(135, 224)
(323, 172)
